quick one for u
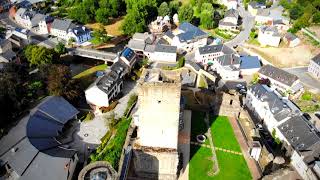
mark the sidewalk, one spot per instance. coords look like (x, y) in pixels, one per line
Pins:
(255, 172)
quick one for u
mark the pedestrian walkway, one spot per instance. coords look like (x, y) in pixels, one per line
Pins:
(217, 148)
(255, 172)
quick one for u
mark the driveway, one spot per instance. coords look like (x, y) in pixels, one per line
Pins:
(247, 25)
(302, 72)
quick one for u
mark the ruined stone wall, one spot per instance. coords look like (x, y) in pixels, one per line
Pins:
(155, 165)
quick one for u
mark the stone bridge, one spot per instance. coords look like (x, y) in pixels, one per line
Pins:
(94, 54)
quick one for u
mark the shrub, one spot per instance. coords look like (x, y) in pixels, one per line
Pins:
(307, 96)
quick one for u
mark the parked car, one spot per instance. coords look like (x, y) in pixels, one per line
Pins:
(307, 116)
(317, 114)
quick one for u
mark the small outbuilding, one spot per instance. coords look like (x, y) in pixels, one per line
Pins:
(249, 65)
(291, 39)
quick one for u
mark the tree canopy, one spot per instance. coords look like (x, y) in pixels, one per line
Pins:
(185, 13)
(38, 55)
(164, 9)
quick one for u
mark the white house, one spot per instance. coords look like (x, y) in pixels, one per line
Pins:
(302, 142)
(59, 28)
(263, 17)
(43, 24)
(269, 106)
(23, 17)
(249, 65)
(189, 37)
(160, 52)
(291, 39)
(80, 34)
(281, 80)
(282, 25)
(314, 66)
(230, 20)
(269, 36)
(206, 55)
(253, 7)
(227, 66)
(231, 4)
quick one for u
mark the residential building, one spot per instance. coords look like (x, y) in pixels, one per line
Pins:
(23, 34)
(168, 36)
(44, 25)
(160, 52)
(231, 4)
(207, 54)
(269, 36)
(282, 25)
(59, 28)
(302, 142)
(253, 7)
(23, 17)
(155, 152)
(269, 106)
(6, 53)
(230, 20)
(283, 119)
(139, 41)
(249, 65)
(263, 17)
(281, 80)
(189, 37)
(291, 39)
(161, 24)
(80, 34)
(34, 148)
(103, 91)
(227, 66)
(314, 66)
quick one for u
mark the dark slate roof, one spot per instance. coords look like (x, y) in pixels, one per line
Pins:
(232, 13)
(255, 4)
(193, 64)
(272, 29)
(169, 34)
(316, 59)
(290, 37)
(278, 108)
(228, 59)
(190, 32)
(149, 48)
(263, 12)
(250, 62)
(136, 45)
(278, 74)
(63, 25)
(24, 147)
(37, 18)
(216, 48)
(165, 48)
(302, 136)
(128, 53)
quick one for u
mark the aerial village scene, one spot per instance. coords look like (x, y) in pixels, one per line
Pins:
(159, 89)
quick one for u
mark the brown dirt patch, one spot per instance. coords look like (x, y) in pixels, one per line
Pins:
(113, 28)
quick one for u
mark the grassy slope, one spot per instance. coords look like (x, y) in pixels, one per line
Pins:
(222, 134)
(90, 71)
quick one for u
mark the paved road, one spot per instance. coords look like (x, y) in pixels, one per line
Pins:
(305, 78)
(247, 25)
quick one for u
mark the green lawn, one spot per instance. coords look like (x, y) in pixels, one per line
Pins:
(232, 167)
(222, 134)
(198, 126)
(90, 71)
(200, 163)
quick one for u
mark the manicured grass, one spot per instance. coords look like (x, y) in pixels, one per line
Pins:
(198, 126)
(90, 71)
(222, 133)
(200, 163)
(232, 167)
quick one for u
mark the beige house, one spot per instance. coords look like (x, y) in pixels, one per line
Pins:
(291, 39)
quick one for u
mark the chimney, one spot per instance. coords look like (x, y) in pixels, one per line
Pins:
(83, 28)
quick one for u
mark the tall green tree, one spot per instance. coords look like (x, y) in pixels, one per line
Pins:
(60, 48)
(295, 12)
(164, 9)
(102, 15)
(38, 55)
(206, 19)
(174, 7)
(185, 13)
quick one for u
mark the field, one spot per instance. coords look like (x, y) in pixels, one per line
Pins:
(222, 134)
(231, 165)
(90, 71)
(113, 28)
